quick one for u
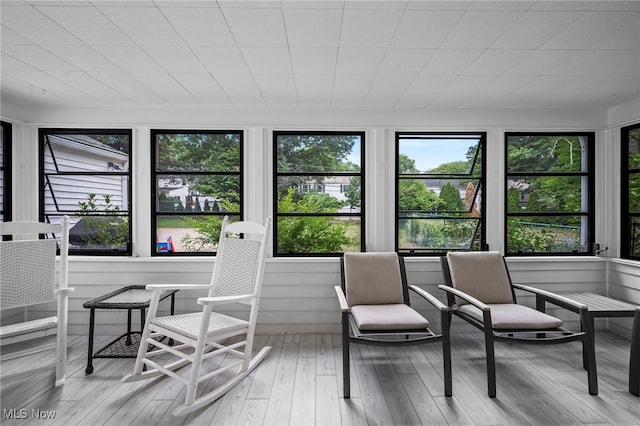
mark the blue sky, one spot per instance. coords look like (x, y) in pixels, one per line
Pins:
(429, 154)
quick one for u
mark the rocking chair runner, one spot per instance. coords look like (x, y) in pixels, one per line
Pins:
(28, 277)
(479, 290)
(237, 278)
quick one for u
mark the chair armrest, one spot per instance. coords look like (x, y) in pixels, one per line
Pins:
(429, 297)
(475, 302)
(554, 298)
(164, 287)
(342, 299)
(220, 300)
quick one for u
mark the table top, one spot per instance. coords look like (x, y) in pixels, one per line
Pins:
(600, 305)
(129, 297)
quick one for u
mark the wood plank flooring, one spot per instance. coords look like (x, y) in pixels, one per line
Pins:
(300, 383)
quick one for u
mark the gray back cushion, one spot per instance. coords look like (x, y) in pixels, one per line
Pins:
(481, 274)
(372, 278)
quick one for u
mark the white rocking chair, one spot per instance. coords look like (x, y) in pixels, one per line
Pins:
(237, 278)
(27, 278)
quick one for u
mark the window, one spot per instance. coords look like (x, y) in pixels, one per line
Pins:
(630, 223)
(313, 215)
(439, 184)
(196, 181)
(86, 174)
(5, 172)
(549, 193)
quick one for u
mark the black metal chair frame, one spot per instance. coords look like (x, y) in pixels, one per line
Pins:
(537, 336)
(352, 334)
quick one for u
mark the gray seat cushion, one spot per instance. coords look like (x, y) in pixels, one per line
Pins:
(388, 317)
(516, 317)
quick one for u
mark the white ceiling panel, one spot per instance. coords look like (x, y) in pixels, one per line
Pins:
(84, 58)
(34, 26)
(126, 83)
(129, 58)
(450, 61)
(495, 61)
(313, 27)
(533, 29)
(424, 29)
(313, 60)
(202, 87)
(588, 30)
(423, 53)
(168, 86)
(199, 26)
(268, 60)
(351, 90)
(146, 26)
(175, 58)
(87, 24)
(547, 62)
(405, 61)
(352, 60)
(262, 27)
(9, 37)
(92, 89)
(39, 58)
(369, 27)
(240, 89)
(388, 87)
(314, 89)
(46, 85)
(277, 89)
(476, 30)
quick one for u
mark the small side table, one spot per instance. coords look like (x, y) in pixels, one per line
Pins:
(602, 306)
(129, 298)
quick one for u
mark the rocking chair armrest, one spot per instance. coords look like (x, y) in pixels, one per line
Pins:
(342, 299)
(221, 300)
(554, 298)
(461, 294)
(429, 297)
(164, 287)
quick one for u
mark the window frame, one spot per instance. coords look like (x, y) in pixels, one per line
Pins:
(397, 177)
(154, 175)
(626, 215)
(43, 183)
(6, 170)
(361, 174)
(589, 174)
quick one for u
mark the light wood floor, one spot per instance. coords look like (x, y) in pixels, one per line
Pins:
(300, 383)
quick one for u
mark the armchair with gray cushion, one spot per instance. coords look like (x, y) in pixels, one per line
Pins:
(479, 290)
(374, 301)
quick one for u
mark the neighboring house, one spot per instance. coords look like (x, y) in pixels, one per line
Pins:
(335, 186)
(80, 153)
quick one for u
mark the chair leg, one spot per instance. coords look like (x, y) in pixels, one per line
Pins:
(446, 352)
(346, 370)
(491, 363)
(634, 362)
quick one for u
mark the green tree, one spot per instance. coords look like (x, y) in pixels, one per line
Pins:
(312, 154)
(414, 195)
(450, 198)
(104, 226)
(513, 200)
(308, 234)
(352, 192)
